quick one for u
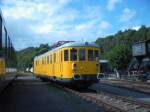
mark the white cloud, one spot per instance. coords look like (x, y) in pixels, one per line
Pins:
(50, 21)
(64, 1)
(81, 27)
(105, 25)
(127, 14)
(131, 27)
(27, 9)
(44, 28)
(112, 3)
(18, 13)
(136, 28)
(88, 25)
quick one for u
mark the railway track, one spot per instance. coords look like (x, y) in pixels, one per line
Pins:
(137, 86)
(135, 83)
(111, 102)
(130, 81)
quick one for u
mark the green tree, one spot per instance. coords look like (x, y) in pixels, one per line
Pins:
(120, 57)
(25, 57)
(127, 37)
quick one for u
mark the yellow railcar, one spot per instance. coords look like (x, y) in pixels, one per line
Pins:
(71, 63)
(2, 66)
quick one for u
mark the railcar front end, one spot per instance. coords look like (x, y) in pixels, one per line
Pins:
(72, 64)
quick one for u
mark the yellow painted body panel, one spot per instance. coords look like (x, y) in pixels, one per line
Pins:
(64, 69)
(2, 66)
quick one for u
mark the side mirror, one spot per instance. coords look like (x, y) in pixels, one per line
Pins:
(97, 58)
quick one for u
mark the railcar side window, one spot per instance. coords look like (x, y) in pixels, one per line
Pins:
(43, 61)
(61, 56)
(96, 54)
(54, 57)
(65, 55)
(47, 59)
(82, 55)
(90, 55)
(73, 54)
(51, 58)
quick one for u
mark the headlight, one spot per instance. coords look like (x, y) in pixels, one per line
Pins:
(74, 66)
(76, 77)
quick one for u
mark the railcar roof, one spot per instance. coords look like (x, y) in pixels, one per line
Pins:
(71, 44)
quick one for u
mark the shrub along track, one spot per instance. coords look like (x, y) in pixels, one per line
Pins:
(111, 102)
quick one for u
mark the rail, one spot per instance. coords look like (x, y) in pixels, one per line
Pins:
(111, 102)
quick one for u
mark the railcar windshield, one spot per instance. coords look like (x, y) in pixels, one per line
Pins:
(90, 55)
(82, 55)
(66, 55)
(73, 54)
(96, 55)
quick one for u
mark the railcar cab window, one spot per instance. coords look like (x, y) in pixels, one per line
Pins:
(96, 55)
(73, 54)
(65, 55)
(81, 55)
(90, 55)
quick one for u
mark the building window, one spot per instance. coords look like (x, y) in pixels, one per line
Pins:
(90, 55)
(65, 55)
(73, 54)
(81, 55)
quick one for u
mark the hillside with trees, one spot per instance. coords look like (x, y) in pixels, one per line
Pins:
(117, 48)
(25, 56)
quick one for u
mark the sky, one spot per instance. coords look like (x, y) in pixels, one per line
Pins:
(32, 22)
